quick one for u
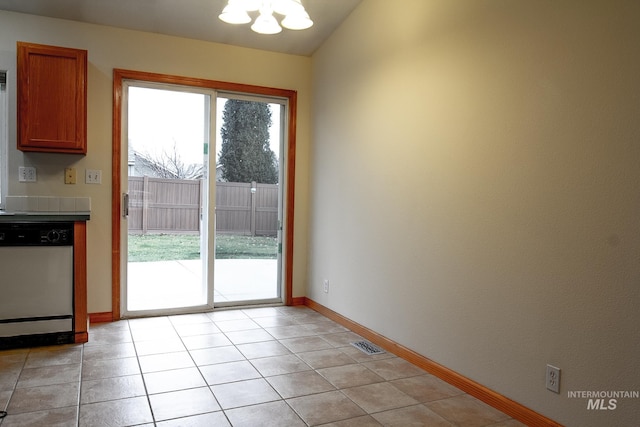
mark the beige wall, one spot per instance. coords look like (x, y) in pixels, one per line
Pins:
(475, 190)
(111, 48)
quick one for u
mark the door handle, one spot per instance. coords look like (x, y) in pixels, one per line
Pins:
(125, 204)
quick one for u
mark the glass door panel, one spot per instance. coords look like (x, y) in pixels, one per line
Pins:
(248, 200)
(167, 143)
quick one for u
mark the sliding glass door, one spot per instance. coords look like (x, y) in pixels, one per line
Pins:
(200, 228)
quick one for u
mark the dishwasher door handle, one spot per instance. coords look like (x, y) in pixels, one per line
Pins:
(125, 204)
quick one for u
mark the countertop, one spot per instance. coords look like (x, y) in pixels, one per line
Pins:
(6, 216)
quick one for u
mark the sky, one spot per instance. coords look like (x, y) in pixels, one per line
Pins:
(158, 119)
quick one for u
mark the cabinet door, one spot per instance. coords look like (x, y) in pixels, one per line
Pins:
(52, 99)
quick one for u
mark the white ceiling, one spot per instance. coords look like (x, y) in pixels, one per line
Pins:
(195, 19)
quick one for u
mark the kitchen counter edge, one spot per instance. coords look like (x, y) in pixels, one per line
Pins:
(43, 216)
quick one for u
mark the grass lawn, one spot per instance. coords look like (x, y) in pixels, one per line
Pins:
(165, 247)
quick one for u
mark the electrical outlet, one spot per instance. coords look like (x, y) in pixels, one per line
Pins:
(325, 286)
(26, 174)
(93, 176)
(553, 379)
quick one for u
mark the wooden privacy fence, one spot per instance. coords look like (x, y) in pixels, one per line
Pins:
(247, 208)
(173, 206)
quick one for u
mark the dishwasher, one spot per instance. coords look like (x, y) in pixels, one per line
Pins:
(36, 283)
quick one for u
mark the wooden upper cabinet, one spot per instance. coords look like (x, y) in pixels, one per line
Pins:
(52, 99)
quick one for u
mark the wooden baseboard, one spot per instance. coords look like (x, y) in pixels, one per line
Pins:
(101, 317)
(490, 397)
(298, 300)
(80, 337)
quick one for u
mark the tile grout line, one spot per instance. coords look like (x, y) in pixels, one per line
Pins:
(15, 386)
(265, 378)
(80, 385)
(262, 376)
(254, 367)
(197, 366)
(144, 382)
(312, 369)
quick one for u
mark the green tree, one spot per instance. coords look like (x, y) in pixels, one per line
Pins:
(245, 154)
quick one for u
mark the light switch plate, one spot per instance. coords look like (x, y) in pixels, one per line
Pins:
(93, 176)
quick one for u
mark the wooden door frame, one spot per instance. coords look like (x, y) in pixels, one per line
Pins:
(119, 76)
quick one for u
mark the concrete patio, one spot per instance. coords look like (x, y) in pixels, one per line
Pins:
(172, 284)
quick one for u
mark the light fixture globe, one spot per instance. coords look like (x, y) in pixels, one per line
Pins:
(287, 7)
(234, 14)
(248, 5)
(297, 21)
(266, 23)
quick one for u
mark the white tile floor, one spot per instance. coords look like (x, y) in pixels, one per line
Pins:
(277, 366)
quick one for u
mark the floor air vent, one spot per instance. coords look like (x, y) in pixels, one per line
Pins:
(367, 347)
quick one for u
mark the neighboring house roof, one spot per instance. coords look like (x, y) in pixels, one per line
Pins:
(142, 165)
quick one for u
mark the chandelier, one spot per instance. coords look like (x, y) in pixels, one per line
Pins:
(295, 16)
